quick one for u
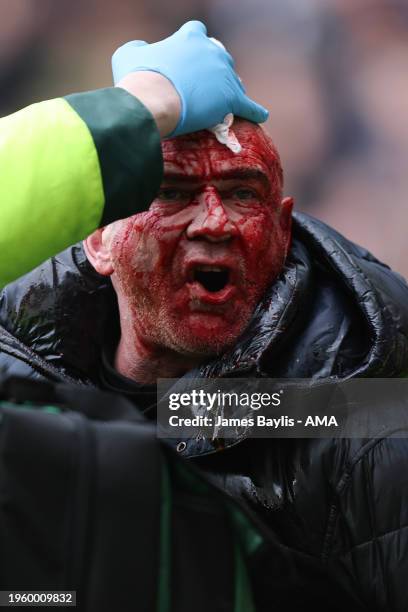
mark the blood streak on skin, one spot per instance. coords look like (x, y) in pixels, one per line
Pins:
(211, 214)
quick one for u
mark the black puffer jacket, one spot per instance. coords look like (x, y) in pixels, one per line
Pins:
(334, 312)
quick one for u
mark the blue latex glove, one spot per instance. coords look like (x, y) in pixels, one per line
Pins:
(201, 71)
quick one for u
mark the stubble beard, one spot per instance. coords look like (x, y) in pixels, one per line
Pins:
(167, 330)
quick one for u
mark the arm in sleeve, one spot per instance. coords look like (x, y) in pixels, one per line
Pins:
(68, 166)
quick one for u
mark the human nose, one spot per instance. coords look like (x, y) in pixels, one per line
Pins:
(211, 221)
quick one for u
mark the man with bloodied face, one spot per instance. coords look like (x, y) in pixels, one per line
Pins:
(210, 278)
(218, 276)
(189, 272)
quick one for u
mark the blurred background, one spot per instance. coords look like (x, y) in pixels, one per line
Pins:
(333, 73)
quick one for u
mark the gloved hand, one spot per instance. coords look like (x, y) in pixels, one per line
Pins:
(201, 71)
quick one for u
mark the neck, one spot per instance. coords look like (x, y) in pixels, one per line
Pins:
(145, 363)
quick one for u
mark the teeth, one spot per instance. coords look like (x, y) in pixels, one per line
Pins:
(210, 268)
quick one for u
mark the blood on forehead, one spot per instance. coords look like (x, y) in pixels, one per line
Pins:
(200, 155)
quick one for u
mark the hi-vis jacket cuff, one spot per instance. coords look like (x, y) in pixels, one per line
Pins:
(127, 143)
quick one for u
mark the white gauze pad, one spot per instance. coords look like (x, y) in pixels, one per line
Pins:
(222, 131)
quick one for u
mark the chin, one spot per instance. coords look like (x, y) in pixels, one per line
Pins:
(205, 335)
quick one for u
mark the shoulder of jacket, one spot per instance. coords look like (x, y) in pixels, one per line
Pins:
(17, 359)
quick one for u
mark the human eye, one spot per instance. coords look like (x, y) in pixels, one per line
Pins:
(245, 194)
(172, 194)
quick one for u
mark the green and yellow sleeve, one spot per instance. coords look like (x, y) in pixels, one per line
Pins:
(68, 166)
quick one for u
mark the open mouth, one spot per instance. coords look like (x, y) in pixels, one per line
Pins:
(212, 278)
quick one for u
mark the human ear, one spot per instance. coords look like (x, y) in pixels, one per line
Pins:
(286, 221)
(98, 252)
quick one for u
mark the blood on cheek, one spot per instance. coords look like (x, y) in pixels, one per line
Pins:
(143, 248)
